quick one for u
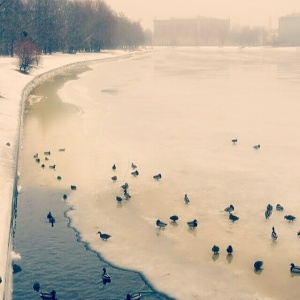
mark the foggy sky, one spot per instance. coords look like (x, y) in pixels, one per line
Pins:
(243, 12)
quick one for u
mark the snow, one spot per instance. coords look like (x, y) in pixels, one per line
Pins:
(14, 86)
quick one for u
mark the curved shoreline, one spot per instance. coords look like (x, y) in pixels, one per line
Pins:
(7, 287)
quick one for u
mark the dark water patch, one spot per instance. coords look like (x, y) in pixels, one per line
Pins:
(58, 259)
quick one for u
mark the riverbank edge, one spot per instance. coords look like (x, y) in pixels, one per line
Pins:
(7, 277)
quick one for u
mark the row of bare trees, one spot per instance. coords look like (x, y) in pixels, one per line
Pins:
(65, 25)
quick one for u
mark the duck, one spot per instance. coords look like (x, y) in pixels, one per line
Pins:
(126, 195)
(256, 147)
(134, 296)
(294, 269)
(73, 187)
(135, 173)
(289, 218)
(38, 160)
(257, 265)
(105, 276)
(58, 177)
(43, 166)
(161, 224)
(47, 153)
(279, 207)
(174, 218)
(114, 178)
(186, 199)
(269, 207)
(274, 234)
(268, 213)
(157, 177)
(36, 286)
(234, 141)
(36, 155)
(61, 149)
(49, 215)
(133, 166)
(46, 158)
(229, 209)
(52, 167)
(104, 236)
(52, 221)
(47, 295)
(125, 186)
(119, 199)
(229, 250)
(65, 197)
(232, 217)
(114, 167)
(215, 249)
(192, 224)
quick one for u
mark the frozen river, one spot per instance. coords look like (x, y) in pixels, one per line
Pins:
(175, 111)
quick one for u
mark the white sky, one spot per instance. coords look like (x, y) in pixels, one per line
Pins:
(244, 12)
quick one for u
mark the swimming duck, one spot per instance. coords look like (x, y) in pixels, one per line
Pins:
(192, 224)
(256, 147)
(157, 177)
(234, 141)
(47, 152)
(52, 167)
(104, 236)
(134, 296)
(58, 177)
(43, 166)
(133, 166)
(269, 207)
(135, 173)
(268, 213)
(38, 160)
(229, 250)
(114, 167)
(215, 249)
(49, 215)
(105, 276)
(294, 269)
(274, 234)
(46, 158)
(232, 217)
(161, 224)
(73, 187)
(174, 218)
(279, 207)
(61, 149)
(114, 178)
(186, 199)
(257, 265)
(36, 155)
(229, 209)
(289, 218)
(36, 286)
(52, 221)
(65, 196)
(47, 295)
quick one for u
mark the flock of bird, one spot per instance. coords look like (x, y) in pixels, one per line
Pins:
(194, 223)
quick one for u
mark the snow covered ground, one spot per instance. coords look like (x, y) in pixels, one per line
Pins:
(14, 86)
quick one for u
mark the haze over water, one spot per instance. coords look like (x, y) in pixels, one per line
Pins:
(175, 112)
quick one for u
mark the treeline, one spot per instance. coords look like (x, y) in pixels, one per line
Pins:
(66, 25)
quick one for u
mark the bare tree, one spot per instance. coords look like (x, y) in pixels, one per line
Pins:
(28, 54)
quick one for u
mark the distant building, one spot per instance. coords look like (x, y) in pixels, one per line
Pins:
(200, 31)
(289, 30)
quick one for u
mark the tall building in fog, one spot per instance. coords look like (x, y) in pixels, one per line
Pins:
(200, 31)
(289, 30)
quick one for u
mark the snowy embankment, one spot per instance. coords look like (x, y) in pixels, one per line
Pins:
(14, 88)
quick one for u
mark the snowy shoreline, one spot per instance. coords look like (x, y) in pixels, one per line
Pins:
(14, 89)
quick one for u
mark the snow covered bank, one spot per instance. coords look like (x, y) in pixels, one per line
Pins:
(14, 88)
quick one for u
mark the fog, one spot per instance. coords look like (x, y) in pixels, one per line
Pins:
(247, 12)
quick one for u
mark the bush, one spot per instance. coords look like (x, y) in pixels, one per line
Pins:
(28, 54)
